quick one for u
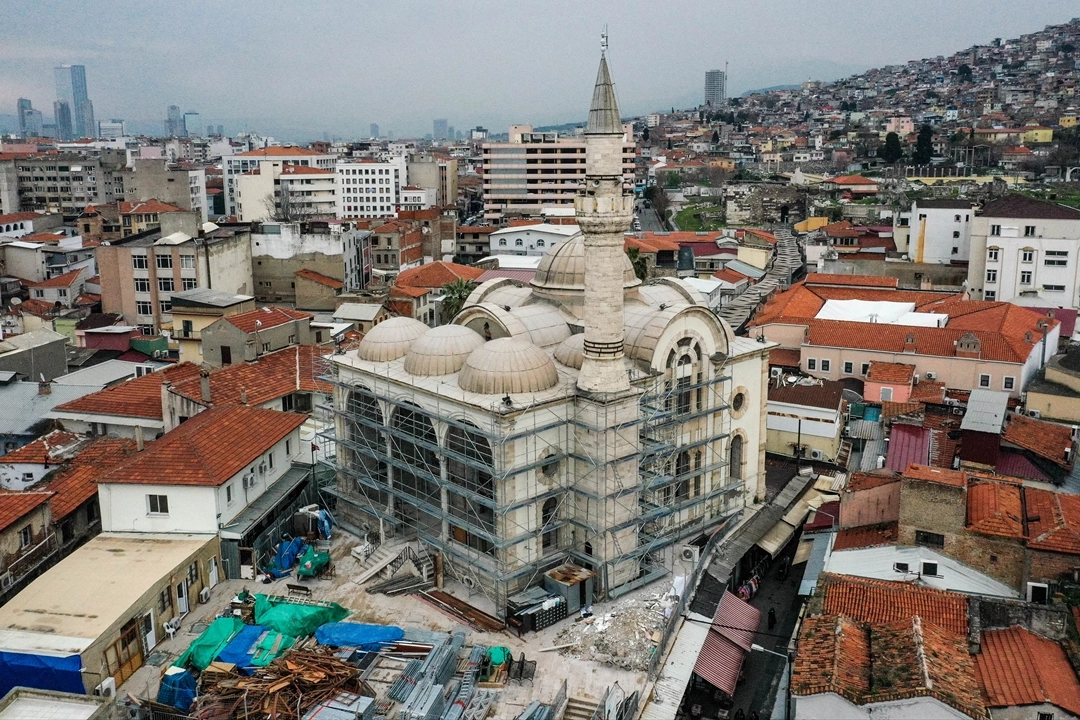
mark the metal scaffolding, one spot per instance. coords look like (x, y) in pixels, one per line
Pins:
(502, 495)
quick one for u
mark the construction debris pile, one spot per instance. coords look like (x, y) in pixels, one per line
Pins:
(625, 636)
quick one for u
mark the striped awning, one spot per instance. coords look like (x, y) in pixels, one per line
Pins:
(729, 639)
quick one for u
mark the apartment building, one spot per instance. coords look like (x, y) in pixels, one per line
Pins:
(1027, 252)
(64, 183)
(534, 170)
(369, 188)
(138, 217)
(329, 248)
(180, 185)
(437, 173)
(278, 190)
(234, 166)
(940, 231)
(396, 245)
(140, 273)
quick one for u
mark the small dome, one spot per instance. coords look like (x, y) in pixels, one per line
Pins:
(390, 339)
(571, 351)
(441, 350)
(564, 269)
(507, 365)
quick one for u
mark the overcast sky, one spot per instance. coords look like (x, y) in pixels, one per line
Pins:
(302, 70)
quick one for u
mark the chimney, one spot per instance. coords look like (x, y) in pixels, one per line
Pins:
(204, 385)
(44, 388)
(139, 445)
(243, 396)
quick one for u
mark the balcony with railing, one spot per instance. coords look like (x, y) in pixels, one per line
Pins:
(14, 566)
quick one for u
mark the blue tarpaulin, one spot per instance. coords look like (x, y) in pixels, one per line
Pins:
(287, 554)
(255, 646)
(43, 672)
(177, 689)
(358, 635)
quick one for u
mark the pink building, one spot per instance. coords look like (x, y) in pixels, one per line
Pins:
(889, 382)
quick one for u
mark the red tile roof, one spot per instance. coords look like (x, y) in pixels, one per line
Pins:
(74, 484)
(208, 449)
(437, 274)
(272, 376)
(408, 292)
(320, 278)
(865, 281)
(785, 357)
(139, 397)
(940, 475)
(60, 281)
(892, 373)
(801, 302)
(268, 317)
(729, 276)
(14, 506)
(48, 236)
(852, 180)
(46, 450)
(1016, 667)
(1047, 440)
(995, 508)
(884, 601)
(866, 536)
(1053, 521)
(873, 479)
(290, 169)
(833, 656)
(147, 206)
(40, 308)
(20, 216)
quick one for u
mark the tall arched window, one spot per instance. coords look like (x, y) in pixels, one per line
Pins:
(682, 484)
(413, 443)
(469, 466)
(363, 456)
(735, 458)
(550, 540)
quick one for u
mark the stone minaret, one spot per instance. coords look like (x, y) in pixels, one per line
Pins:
(606, 477)
(604, 211)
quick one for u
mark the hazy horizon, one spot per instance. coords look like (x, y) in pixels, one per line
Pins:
(332, 68)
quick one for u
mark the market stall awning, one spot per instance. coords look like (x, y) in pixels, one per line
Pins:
(729, 639)
(776, 538)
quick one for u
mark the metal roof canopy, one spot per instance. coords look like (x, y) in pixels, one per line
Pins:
(986, 411)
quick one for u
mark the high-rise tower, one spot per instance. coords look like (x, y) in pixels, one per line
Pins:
(71, 88)
(604, 210)
(715, 87)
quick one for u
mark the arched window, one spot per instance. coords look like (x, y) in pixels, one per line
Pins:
(540, 243)
(550, 539)
(502, 242)
(697, 475)
(682, 483)
(366, 448)
(735, 457)
(469, 466)
(519, 242)
(413, 443)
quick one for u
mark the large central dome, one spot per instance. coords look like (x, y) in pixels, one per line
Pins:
(564, 269)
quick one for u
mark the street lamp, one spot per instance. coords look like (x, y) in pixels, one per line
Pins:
(787, 663)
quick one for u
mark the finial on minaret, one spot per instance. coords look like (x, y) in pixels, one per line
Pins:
(603, 40)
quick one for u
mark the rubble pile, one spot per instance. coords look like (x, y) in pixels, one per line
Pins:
(625, 635)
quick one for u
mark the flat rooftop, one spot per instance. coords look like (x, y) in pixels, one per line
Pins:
(80, 597)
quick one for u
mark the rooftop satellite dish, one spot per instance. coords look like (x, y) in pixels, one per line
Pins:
(15, 302)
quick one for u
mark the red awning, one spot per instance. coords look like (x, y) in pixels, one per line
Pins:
(733, 629)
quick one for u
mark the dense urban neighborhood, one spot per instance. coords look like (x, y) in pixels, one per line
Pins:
(763, 408)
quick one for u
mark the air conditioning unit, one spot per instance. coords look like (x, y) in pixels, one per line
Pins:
(817, 455)
(915, 379)
(776, 373)
(930, 375)
(262, 468)
(107, 688)
(249, 480)
(1034, 413)
(204, 596)
(690, 553)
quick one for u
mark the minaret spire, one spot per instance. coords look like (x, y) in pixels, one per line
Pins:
(604, 210)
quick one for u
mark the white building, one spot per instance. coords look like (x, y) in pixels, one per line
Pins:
(921, 565)
(277, 189)
(370, 188)
(940, 231)
(539, 239)
(233, 166)
(1025, 251)
(417, 198)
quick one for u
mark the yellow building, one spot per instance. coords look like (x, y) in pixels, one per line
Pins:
(810, 224)
(1037, 135)
(193, 310)
(1067, 121)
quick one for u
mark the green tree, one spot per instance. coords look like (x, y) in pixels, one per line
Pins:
(924, 146)
(716, 137)
(891, 151)
(645, 134)
(641, 267)
(454, 296)
(963, 73)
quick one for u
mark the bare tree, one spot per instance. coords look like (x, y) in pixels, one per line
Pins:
(286, 205)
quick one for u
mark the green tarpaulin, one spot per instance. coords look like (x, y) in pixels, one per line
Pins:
(312, 563)
(295, 620)
(271, 647)
(204, 650)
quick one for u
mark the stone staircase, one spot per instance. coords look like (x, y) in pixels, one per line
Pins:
(580, 709)
(388, 559)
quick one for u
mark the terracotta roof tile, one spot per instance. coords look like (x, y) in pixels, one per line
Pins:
(1053, 521)
(833, 656)
(995, 508)
(60, 281)
(14, 506)
(785, 357)
(408, 292)
(885, 601)
(290, 169)
(437, 274)
(943, 476)
(826, 395)
(872, 479)
(1047, 440)
(50, 449)
(320, 278)
(208, 449)
(895, 373)
(147, 206)
(1022, 206)
(20, 216)
(729, 276)
(139, 397)
(279, 151)
(74, 484)
(866, 536)
(272, 376)
(267, 317)
(1016, 667)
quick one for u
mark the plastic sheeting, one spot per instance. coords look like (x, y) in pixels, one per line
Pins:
(43, 672)
(313, 562)
(177, 689)
(358, 635)
(287, 553)
(295, 620)
(253, 647)
(205, 649)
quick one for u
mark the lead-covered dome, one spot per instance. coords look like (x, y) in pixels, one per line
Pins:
(564, 268)
(571, 351)
(507, 366)
(441, 350)
(390, 339)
